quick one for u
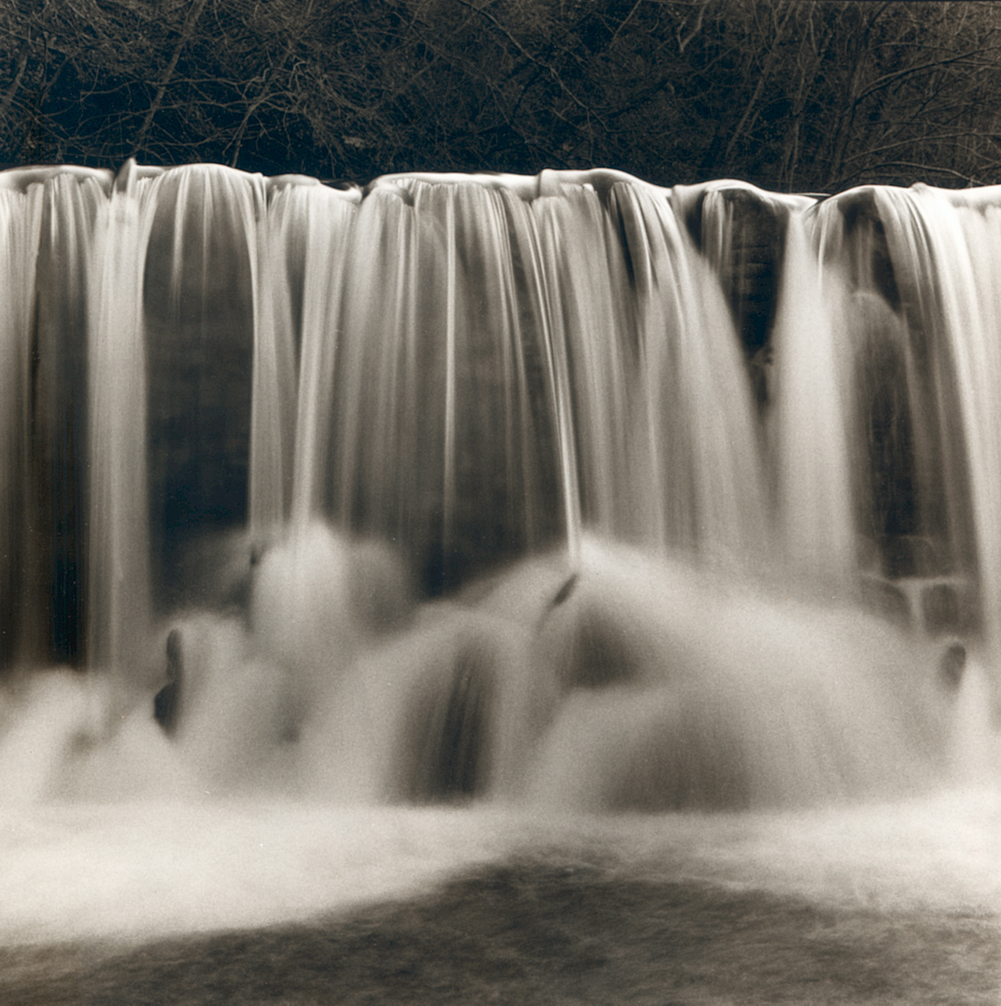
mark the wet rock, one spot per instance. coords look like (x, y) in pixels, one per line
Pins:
(198, 309)
(871, 265)
(167, 703)
(752, 274)
(565, 591)
(911, 555)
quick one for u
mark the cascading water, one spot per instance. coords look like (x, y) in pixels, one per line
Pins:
(557, 492)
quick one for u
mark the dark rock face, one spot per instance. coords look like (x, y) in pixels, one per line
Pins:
(907, 445)
(496, 450)
(199, 321)
(871, 265)
(910, 466)
(50, 558)
(565, 591)
(167, 703)
(751, 270)
(751, 277)
(910, 555)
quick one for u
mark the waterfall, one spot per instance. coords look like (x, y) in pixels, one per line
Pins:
(447, 476)
(118, 546)
(21, 231)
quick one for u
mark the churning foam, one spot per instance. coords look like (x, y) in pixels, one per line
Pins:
(328, 752)
(135, 871)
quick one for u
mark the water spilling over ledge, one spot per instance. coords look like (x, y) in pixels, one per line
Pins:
(565, 489)
(354, 537)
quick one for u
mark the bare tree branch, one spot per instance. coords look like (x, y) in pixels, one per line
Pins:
(187, 31)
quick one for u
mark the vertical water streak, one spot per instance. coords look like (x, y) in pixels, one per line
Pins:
(982, 230)
(585, 332)
(449, 474)
(279, 215)
(20, 223)
(379, 460)
(329, 225)
(118, 596)
(513, 436)
(199, 302)
(552, 281)
(542, 491)
(664, 427)
(53, 619)
(444, 426)
(951, 253)
(905, 423)
(699, 393)
(811, 418)
(387, 400)
(528, 443)
(651, 437)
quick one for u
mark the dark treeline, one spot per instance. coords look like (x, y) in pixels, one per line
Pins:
(790, 95)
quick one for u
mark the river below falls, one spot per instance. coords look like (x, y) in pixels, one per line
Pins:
(295, 902)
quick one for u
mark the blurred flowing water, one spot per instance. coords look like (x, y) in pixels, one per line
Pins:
(353, 537)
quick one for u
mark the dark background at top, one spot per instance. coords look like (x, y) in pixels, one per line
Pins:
(812, 97)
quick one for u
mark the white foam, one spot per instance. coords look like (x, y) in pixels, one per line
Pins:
(255, 812)
(137, 871)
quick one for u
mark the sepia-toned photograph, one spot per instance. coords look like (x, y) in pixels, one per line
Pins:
(500, 502)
